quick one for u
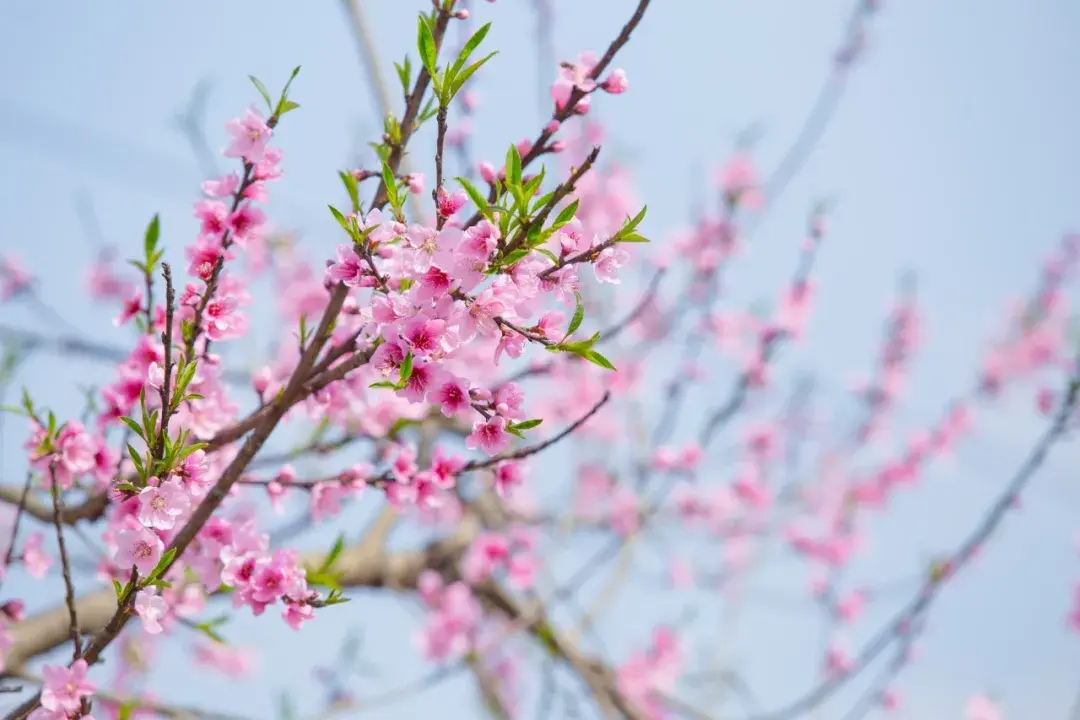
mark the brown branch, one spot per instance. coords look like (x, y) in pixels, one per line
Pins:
(92, 508)
(365, 564)
(23, 497)
(597, 676)
(65, 345)
(65, 569)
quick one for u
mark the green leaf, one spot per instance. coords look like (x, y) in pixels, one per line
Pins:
(118, 588)
(565, 215)
(399, 425)
(473, 43)
(425, 45)
(162, 565)
(639, 217)
(188, 450)
(382, 384)
(461, 78)
(326, 580)
(340, 219)
(548, 254)
(632, 238)
(513, 166)
(262, 91)
(404, 73)
(391, 185)
(533, 185)
(125, 711)
(286, 106)
(406, 370)
(136, 458)
(579, 315)
(598, 359)
(150, 239)
(332, 556)
(528, 424)
(352, 187)
(288, 84)
(582, 345)
(130, 422)
(631, 224)
(208, 630)
(477, 198)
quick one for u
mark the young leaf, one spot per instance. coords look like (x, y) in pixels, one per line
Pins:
(579, 315)
(391, 185)
(528, 424)
(425, 44)
(473, 43)
(404, 72)
(288, 84)
(598, 359)
(513, 166)
(406, 369)
(461, 78)
(262, 91)
(351, 187)
(133, 425)
(477, 199)
(565, 215)
(150, 239)
(332, 556)
(286, 106)
(162, 564)
(340, 219)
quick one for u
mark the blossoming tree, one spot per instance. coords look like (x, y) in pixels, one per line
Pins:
(454, 339)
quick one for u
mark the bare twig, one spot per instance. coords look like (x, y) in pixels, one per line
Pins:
(65, 568)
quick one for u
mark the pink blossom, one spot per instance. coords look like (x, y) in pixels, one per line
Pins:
(221, 320)
(489, 436)
(223, 186)
(155, 376)
(139, 547)
(451, 394)
(448, 203)
(250, 136)
(64, 688)
(131, 307)
(507, 475)
(348, 268)
(35, 559)
(151, 608)
(162, 506)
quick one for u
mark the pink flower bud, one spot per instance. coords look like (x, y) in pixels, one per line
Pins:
(616, 82)
(261, 380)
(552, 127)
(487, 171)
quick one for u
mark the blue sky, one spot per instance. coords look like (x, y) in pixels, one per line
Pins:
(953, 154)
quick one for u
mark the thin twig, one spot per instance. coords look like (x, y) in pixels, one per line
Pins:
(65, 567)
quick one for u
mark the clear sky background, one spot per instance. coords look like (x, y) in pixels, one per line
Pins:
(953, 153)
